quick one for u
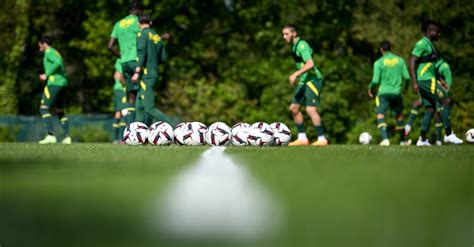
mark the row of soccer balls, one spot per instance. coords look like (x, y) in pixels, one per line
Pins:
(217, 134)
(365, 138)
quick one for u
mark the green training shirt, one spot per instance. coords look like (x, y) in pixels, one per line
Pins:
(54, 68)
(118, 67)
(444, 69)
(390, 71)
(151, 52)
(425, 71)
(125, 31)
(302, 52)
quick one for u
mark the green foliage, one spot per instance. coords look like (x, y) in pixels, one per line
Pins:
(9, 133)
(229, 62)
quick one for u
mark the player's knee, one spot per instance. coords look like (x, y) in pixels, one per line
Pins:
(417, 104)
(430, 110)
(446, 102)
(311, 110)
(380, 116)
(117, 115)
(294, 109)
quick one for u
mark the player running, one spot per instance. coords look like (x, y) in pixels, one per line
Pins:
(423, 76)
(120, 103)
(53, 94)
(151, 52)
(444, 76)
(390, 72)
(308, 89)
(125, 32)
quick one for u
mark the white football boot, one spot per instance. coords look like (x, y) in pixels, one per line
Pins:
(422, 143)
(49, 139)
(385, 142)
(67, 140)
(452, 139)
(438, 143)
(406, 143)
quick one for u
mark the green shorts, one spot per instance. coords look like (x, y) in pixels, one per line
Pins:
(308, 93)
(385, 101)
(120, 100)
(128, 69)
(53, 96)
(432, 93)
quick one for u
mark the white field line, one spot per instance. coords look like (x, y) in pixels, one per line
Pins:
(216, 199)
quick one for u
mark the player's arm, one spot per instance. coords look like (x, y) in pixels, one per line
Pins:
(375, 80)
(112, 46)
(141, 55)
(162, 54)
(413, 68)
(306, 54)
(406, 77)
(445, 70)
(55, 63)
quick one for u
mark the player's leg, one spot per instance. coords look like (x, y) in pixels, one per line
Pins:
(116, 127)
(60, 106)
(47, 100)
(438, 128)
(396, 104)
(413, 114)
(148, 98)
(128, 69)
(140, 109)
(381, 106)
(445, 112)
(312, 100)
(302, 139)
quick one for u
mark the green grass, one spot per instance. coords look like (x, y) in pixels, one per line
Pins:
(342, 195)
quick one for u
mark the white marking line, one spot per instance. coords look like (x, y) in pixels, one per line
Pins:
(216, 199)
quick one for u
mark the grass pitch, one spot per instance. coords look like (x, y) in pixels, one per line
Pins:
(341, 195)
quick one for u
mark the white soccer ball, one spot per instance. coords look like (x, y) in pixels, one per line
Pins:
(365, 138)
(160, 133)
(191, 134)
(281, 134)
(135, 133)
(178, 133)
(470, 136)
(240, 133)
(218, 134)
(260, 134)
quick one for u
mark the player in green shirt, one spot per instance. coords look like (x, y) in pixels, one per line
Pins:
(125, 32)
(53, 94)
(390, 72)
(423, 76)
(120, 103)
(151, 52)
(444, 75)
(308, 89)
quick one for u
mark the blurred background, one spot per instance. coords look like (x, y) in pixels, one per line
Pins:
(228, 61)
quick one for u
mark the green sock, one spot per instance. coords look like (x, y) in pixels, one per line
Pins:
(319, 130)
(48, 122)
(382, 127)
(64, 123)
(445, 112)
(425, 124)
(413, 115)
(116, 128)
(401, 129)
(122, 126)
(300, 128)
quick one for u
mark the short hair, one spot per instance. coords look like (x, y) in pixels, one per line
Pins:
(292, 27)
(46, 39)
(385, 45)
(144, 19)
(135, 6)
(427, 24)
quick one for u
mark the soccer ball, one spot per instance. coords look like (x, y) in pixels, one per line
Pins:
(218, 134)
(191, 134)
(135, 133)
(178, 133)
(470, 136)
(240, 133)
(365, 138)
(260, 134)
(281, 134)
(160, 133)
